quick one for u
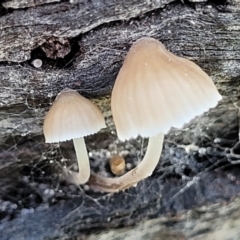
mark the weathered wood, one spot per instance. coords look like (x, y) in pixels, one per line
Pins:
(101, 55)
(25, 3)
(218, 221)
(26, 29)
(98, 34)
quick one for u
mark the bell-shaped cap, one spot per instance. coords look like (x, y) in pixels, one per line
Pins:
(71, 116)
(156, 90)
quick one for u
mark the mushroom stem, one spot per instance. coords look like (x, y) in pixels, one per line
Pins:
(131, 178)
(83, 173)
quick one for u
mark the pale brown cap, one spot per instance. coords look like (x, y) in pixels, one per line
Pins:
(156, 90)
(117, 164)
(71, 116)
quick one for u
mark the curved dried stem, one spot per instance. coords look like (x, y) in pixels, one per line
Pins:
(131, 178)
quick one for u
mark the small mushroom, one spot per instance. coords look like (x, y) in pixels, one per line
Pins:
(117, 164)
(37, 63)
(72, 117)
(154, 91)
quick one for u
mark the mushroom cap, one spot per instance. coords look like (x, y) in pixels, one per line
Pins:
(156, 90)
(71, 116)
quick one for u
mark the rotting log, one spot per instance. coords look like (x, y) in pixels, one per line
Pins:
(82, 45)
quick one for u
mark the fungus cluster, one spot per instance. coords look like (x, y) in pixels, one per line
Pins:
(154, 91)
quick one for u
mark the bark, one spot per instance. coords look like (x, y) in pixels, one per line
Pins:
(82, 45)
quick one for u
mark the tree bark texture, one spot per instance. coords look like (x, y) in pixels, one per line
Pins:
(82, 45)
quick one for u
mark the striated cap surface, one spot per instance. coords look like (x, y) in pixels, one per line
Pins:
(71, 116)
(156, 90)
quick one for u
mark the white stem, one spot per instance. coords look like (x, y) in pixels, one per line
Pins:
(143, 170)
(83, 164)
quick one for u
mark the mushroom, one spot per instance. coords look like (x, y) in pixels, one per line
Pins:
(117, 164)
(154, 91)
(72, 117)
(37, 63)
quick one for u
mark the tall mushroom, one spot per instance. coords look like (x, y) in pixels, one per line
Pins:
(154, 91)
(72, 117)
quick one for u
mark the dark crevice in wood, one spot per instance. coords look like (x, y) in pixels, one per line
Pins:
(59, 63)
(4, 11)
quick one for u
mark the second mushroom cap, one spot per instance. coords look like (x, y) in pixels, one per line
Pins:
(156, 90)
